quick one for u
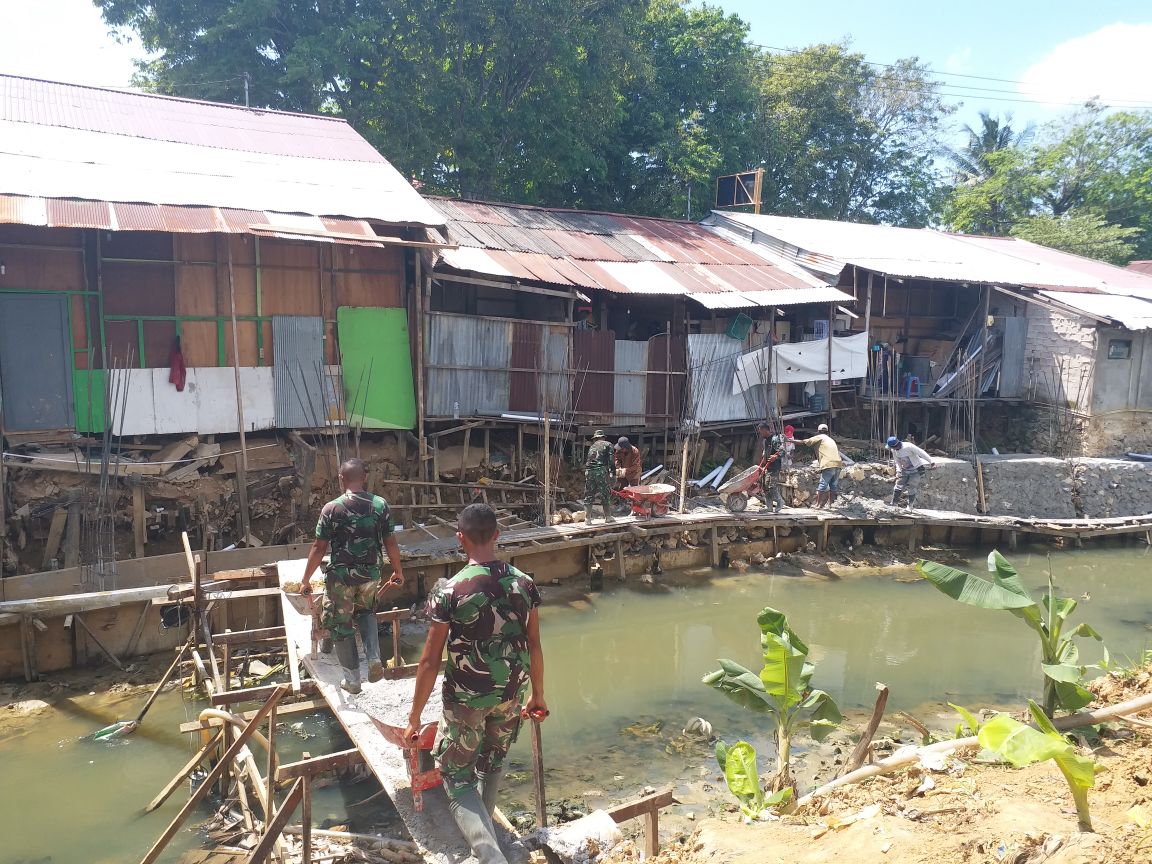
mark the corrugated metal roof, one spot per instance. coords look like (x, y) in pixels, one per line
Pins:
(64, 141)
(71, 213)
(828, 247)
(622, 255)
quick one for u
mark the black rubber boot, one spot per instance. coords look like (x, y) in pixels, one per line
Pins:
(476, 826)
(490, 788)
(350, 661)
(370, 636)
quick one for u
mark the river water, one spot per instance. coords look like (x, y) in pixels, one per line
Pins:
(623, 671)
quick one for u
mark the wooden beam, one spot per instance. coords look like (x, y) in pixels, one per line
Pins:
(55, 535)
(644, 804)
(252, 694)
(277, 824)
(139, 520)
(306, 706)
(319, 764)
(183, 773)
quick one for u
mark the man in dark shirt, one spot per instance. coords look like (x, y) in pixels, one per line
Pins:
(357, 527)
(598, 469)
(486, 615)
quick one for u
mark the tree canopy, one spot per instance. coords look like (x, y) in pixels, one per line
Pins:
(638, 105)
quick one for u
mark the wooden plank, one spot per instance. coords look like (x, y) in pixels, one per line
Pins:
(255, 693)
(55, 535)
(644, 804)
(319, 764)
(173, 452)
(70, 465)
(652, 828)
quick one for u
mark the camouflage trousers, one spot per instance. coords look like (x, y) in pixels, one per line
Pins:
(342, 602)
(472, 740)
(597, 485)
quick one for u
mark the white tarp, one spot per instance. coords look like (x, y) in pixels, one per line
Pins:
(800, 362)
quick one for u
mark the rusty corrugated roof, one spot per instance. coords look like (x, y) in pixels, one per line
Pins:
(620, 254)
(827, 247)
(135, 150)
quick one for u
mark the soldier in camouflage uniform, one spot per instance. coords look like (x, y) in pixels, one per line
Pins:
(599, 468)
(357, 527)
(486, 616)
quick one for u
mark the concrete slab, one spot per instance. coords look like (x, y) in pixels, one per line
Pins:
(388, 701)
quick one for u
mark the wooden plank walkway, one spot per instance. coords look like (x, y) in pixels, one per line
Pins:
(389, 701)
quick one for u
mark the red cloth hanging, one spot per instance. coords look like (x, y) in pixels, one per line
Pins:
(177, 372)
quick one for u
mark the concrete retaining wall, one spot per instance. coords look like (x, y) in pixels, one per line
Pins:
(1014, 485)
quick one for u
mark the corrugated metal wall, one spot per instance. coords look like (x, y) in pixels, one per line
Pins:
(666, 352)
(630, 385)
(594, 354)
(298, 341)
(712, 359)
(469, 360)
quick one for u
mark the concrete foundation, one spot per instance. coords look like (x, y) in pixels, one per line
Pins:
(1107, 487)
(1028, 486)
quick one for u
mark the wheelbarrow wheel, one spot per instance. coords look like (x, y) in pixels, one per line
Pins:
(737, 502)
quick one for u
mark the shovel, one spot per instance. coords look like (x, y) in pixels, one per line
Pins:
(123, 728)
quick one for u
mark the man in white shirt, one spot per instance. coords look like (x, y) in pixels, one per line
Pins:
(911, 463)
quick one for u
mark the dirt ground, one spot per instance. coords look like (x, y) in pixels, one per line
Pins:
(970, 814)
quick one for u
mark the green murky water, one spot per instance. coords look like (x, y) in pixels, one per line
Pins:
(631, 656)
(619, 660)
(67, 799)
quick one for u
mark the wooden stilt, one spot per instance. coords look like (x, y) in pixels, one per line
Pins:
(714, 546)
(652, 833)
(183, 773)
(28, 648)
(103, 648)
(306, 821)
(139, 516)
(272, 761)
(277, 824)
(621, 571)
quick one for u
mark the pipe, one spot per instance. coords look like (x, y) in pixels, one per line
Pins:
(723, 471)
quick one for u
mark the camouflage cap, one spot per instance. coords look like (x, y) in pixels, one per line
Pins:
(599, 433)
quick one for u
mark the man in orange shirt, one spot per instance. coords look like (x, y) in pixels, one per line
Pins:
(628, 464)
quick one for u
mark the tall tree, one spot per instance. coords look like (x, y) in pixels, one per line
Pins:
(688, 101)
(1084, 186)
(486, 98)
(841, 139)
(973, 161)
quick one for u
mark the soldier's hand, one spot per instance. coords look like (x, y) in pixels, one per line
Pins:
(412, 732)
(537, 709)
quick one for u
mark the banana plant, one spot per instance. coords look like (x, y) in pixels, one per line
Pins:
(1021, 745)
(1063, 672)
(782, 690)
(742, 776)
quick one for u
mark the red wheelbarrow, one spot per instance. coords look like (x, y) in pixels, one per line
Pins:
(735, 491)
(647, 501)
(422, 772)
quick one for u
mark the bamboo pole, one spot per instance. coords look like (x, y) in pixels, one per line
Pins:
(547, 468)
(684, 474)
(867, 321)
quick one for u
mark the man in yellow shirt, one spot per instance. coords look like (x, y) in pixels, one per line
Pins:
(828, 462)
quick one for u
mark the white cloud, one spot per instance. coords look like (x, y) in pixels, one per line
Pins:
(64, 40)
(1113, 63)
(959, 60)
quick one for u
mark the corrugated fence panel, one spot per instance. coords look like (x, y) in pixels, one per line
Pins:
(555, 360)
(524, 394)
(468, 361)
(594, 353)
(712, 359)
(298, 355)
(665, 352)
(630, 386)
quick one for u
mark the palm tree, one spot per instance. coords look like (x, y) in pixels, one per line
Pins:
(972, 161)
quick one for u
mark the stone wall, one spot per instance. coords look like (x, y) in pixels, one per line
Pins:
(1014, 485)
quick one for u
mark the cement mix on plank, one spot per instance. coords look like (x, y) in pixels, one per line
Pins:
(389, 702)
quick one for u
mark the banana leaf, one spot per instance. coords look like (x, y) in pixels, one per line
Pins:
(974, 590)
(743, 778)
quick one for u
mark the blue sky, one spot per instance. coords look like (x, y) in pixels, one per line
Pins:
(1049, 53)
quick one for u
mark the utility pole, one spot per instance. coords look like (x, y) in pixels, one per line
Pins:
(247, 77)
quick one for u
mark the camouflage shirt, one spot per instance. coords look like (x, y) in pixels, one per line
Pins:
(600, 457)
(356, 525)
(486, 609)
